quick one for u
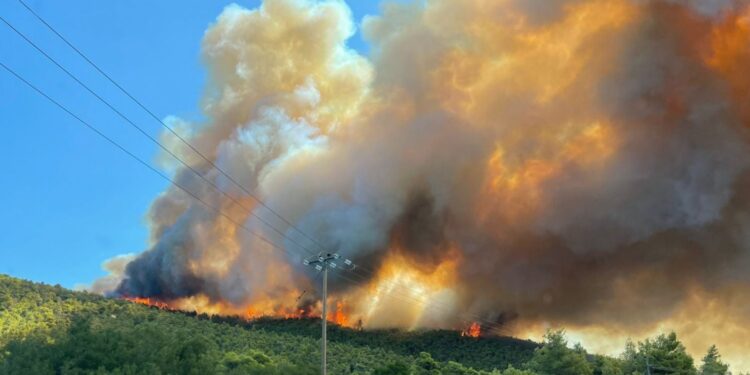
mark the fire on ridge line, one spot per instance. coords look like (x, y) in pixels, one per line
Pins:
(399, 290)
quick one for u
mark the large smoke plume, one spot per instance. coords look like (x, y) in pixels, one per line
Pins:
(583, 163)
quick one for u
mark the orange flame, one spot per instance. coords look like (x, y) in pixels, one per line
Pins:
(474, 330)
(148, 302)
(338, 316)
(286, 313)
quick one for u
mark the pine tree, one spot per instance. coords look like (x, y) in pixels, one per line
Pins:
(712, 364)
(629, 358)
(555, 358)
(664, 351)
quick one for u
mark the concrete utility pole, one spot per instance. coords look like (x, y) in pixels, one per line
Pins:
(322, 262)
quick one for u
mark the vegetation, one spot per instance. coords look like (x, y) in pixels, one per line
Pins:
(443, 345)
(712, 364)
(555, 358)
(51, 330)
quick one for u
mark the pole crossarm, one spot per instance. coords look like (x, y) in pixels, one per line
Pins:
(321, 260)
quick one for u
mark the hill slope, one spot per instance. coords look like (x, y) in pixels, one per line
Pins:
(51, 330)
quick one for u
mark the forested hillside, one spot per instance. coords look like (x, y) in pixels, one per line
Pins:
(52, 330)
(49, 329)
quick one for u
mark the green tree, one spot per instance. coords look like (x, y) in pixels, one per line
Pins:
(712, 364)
(556, 358)
(514, 371)
(240, 363)
(426, 365)
(629, 359)
(395, 368)
(664, 353)
(455, 368)
(607, 366)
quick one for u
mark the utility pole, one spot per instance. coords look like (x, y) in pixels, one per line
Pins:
(322, 262)
(324, 323)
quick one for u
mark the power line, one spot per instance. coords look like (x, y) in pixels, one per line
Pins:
(136, 157)
(154, 140)
(176, 134)
(172, 131)
(143, 132)
(143, 162)
(159, 173)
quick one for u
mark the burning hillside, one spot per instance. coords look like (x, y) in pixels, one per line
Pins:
(577, 163)
(338, 316)
(474, 330)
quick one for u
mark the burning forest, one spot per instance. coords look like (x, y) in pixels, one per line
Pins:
(516, 164)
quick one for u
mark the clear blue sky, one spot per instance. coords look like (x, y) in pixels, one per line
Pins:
(69, 199)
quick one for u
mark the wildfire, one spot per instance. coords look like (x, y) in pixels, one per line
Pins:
(297, 313)
(393, 292)
(148, 302)
(407, 295)
(338, 316)
(504, 160)
(474, 330)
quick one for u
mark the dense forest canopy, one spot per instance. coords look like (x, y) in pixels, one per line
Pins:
(51, 330)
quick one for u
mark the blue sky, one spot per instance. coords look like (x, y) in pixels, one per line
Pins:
(69, 199)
